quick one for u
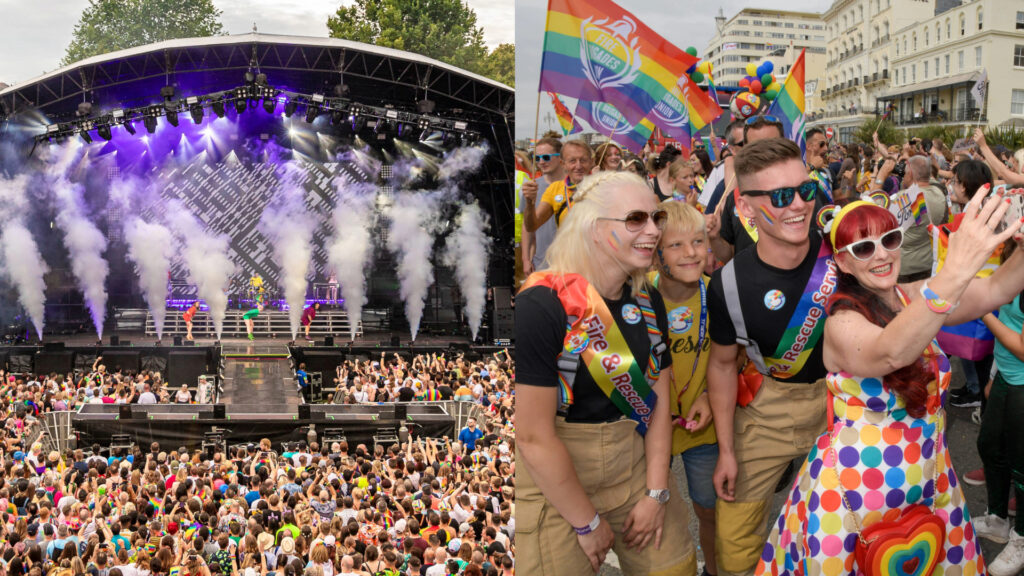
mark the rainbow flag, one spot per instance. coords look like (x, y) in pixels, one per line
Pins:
(919, 209)
(970, 340)
(565, 120)
(604, 118)
(595, 50)
(672, 115)
(789, 104)
(702, 109)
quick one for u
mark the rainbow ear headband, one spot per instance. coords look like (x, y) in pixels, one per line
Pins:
(830, 216)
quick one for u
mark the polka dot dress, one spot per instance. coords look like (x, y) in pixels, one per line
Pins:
(886, 462)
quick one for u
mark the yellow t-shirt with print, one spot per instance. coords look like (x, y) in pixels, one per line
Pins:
(557, 197)
(683, 334)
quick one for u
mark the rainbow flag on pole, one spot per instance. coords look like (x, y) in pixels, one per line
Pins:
(595, 50)
(789, 104)
(702, 109)
(604, 118)
(565, 120)
(672, 115)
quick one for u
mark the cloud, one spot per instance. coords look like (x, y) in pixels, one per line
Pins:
(40, 36)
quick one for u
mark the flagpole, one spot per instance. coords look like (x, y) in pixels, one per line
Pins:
(536, 120)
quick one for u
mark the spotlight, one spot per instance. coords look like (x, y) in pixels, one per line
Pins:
(218, 106)
(195, 108)
(426, 106)
(129, 127)
(337, 118)
(104, 131)
(358, 122)
(313, 108)
(290, 107)
(240, 102)
(150, 122)
(84, 132)
(172, 117)
(269, 100)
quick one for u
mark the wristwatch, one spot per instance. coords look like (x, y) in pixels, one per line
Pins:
(660, 496)
(584, 530)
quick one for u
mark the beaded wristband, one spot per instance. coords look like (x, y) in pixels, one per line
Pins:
(935, 302)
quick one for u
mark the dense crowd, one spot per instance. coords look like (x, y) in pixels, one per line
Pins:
(788, 301)
(426, 506)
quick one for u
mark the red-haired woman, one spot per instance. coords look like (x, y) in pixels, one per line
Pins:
(884, 458)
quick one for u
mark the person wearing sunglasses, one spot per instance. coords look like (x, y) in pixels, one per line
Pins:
(557, 200)
(548, 156)
(593, 420)
(887, 376)
(817, 160)
(770, 297)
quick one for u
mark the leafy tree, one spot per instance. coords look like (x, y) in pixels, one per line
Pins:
(109, 25)
(887, 132)
(501, 64)
(445, 30)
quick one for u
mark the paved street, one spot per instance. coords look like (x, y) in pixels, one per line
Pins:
(962, 436)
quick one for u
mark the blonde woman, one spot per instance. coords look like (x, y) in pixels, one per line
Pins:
(683, 177)
(595, 465)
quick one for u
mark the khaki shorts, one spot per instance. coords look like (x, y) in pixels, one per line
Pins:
(782, 423)
(610, 463)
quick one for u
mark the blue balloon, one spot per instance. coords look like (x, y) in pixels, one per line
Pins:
(760, 71)
(768, 67)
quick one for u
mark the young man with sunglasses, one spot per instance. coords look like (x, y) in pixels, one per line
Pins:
(771, 298)
(548, 156)
(578, 159)
(817, 160)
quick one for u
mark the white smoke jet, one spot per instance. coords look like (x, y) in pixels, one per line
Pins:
(349, 249)
(85, 244)
(289, 228)
(150, 247)
(462, 160)
(466, 250)
(207, 257)
(25, 268)
(410, 240)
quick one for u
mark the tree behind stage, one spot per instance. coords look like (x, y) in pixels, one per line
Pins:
(109, 25)
(445, 30)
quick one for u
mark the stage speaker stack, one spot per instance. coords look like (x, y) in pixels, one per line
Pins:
(316, 387)
(401, 412)
(177, 340)
(56, 361)
(115, 340)
(304, 412)
(329, 341)
(124, 411)
(396, 341)
(219, 411)
(503, 324)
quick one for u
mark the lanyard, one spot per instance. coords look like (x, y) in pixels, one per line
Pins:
(701, 333)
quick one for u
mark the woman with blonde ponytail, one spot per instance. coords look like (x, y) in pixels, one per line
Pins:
(594, 430)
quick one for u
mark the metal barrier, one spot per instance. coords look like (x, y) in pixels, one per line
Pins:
(55, 431)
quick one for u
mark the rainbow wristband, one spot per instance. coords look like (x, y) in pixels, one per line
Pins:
(935, 302)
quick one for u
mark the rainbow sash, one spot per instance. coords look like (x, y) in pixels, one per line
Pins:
(596, 339)
(808, 321)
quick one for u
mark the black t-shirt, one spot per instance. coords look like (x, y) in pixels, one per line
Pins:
(446, 392)
(406, 394)
(766, 326)
(657, 191)
(540, 334)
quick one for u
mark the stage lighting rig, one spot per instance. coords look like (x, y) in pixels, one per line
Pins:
(83, 130)
(316, 101)
(103, 130)
(239, 100)
(84, 109)
(290, 107)
(172, 117)
(269, 99)
(167, 93)
(426, 106)
(195, 108)
(149, 119)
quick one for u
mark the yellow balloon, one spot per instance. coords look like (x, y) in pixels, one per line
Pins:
(751, 69)
(711, 67)
(704, 67)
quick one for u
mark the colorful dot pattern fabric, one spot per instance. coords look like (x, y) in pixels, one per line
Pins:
(884, 459)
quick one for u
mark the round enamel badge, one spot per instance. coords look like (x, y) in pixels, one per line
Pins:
(576, 341)
(680, 320)
(558, 198)
(774, 299)
(631, 313)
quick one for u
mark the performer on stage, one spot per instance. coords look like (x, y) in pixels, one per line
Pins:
(250, 315)
(188, 316)
(308, 315)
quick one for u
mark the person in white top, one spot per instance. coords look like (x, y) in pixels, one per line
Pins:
(438, 569)
(147, 396)
(348, 567)
(183, 396)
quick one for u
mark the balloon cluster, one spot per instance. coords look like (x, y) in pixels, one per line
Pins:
(760, 80)
(699, 71)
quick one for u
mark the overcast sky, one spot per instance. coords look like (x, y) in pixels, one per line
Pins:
(34, 34)
(682, 22)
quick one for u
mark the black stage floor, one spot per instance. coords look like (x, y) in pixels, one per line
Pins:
(259, 386)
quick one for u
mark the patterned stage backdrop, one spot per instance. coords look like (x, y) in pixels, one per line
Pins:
(229, 198)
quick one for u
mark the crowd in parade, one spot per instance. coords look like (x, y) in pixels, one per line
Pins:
(782, 303)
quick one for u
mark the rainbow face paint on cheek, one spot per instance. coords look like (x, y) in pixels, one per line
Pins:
(767, 215)
(614, 241)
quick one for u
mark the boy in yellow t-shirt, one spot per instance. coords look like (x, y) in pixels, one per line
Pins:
(679, 277)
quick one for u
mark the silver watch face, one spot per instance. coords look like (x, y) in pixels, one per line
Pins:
(660, 495)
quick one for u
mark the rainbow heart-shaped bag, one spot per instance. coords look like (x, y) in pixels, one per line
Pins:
(911, 545)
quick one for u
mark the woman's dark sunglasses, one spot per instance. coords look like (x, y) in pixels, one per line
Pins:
(782, 197)
(637, 219)
(864, 249)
